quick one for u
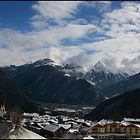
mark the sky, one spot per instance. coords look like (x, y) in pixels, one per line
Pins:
(77, 32)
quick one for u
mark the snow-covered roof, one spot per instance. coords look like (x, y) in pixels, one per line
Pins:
(132, 119)
(51, 128)
(31, 114)
(65, 126)
(125, 123)
(42, 125)
(71, 122)
(80, 120)
(88, 137)
(103, 122)
(88, 123)
(52, 120)
(73, 130)
(137, 125)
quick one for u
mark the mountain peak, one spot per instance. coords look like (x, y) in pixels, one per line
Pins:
(43, 62)
(100, 67)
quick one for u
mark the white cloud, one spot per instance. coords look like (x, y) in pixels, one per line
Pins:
(36, 39)
(101, 5)
(57, 11)
(22, 47)
(112, 51)
(124, 20)
(119, 50)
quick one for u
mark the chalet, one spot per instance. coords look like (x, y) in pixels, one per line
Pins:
(53, 130)
(130, 129)
(115, 128)
(96, 129)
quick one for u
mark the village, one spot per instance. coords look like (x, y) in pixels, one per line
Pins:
(63, 125)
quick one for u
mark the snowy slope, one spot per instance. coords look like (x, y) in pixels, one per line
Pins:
(23, 133)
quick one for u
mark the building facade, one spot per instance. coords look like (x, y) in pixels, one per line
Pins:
(129, 129)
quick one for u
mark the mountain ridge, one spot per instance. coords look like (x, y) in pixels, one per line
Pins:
(13, 96)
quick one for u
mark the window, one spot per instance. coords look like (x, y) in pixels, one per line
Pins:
(124, 130)
(130, 130)
(136, 130)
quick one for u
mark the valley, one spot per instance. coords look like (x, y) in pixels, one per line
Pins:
(67, 91)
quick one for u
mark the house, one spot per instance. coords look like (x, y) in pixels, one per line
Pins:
(51, 130)
(96, 129)
(130, 129)
(102, 126)
(115, 128)
(108, 127)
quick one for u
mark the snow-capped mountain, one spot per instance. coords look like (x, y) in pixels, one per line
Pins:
(44, 82)
(43, 62)
(100, 67)
(103, 78)
(13, 70)
(99, 75)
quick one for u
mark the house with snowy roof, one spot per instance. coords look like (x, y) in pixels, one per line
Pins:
(114, 127)
(51, 130)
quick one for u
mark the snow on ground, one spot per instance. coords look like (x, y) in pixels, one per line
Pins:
(88, 137)
(23, 133)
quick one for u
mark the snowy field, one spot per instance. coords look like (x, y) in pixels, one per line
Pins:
(23, 133)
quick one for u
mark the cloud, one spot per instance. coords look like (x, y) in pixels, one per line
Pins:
(103, 6)
(56, 10)
(132, 63)
(53, 11)
(62, 12)
(114, 40)
(23, 47)
(111, 52)
(125, 20)
(43, 38)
